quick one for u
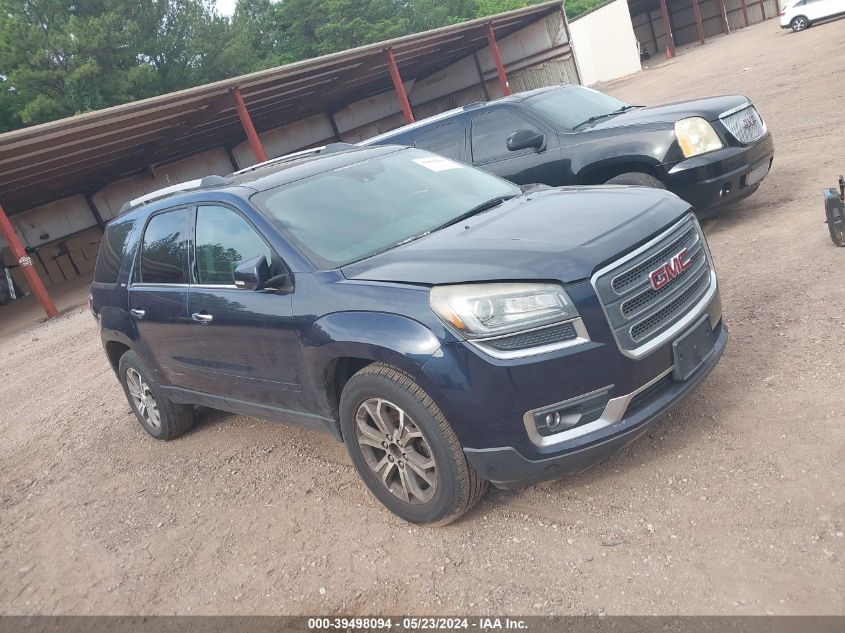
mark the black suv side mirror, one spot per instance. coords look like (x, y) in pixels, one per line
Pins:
(252, 274)
(523, 139)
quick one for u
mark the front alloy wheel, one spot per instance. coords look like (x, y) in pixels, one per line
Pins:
(404, 448)
(395, 450)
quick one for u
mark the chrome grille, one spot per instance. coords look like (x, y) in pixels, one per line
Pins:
(745, 124)
(642, 317)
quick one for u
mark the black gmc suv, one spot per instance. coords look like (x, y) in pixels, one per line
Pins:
(708, 151)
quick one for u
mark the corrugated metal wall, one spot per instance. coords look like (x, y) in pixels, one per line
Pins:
(683, 20)
(605, 45)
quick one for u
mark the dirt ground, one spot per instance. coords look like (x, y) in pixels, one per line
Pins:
(733, 505)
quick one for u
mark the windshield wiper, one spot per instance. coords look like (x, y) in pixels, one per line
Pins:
(484, 206)
(480, 208)
(599, 117)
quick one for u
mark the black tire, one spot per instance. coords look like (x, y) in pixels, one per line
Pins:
(836, 226)
(173, 419)
(799, 23)
(637, 178)
(458, 486)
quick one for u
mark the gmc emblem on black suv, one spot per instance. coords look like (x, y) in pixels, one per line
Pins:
(671, 269)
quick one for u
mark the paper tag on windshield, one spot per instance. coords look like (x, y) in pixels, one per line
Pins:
(437, 163)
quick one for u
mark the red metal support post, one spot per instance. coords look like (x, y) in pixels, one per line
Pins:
(667, 27)
(744, 13)
(497, 59)
(25, 262)
(249, 128)
(399, 86)
(698, 25)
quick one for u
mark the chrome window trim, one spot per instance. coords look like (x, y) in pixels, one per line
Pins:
(142, 284)
(697, 310)
(613, 413)
(581, 336)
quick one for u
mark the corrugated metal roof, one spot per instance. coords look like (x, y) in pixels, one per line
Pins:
(85, 152)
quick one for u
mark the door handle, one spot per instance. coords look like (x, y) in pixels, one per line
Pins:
(138, 313)
(199, 317)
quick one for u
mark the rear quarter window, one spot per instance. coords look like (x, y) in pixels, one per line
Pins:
(113, 248)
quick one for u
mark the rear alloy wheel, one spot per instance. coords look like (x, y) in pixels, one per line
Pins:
(141, 396)
(799, 23)
(404, 448)
(160, 417)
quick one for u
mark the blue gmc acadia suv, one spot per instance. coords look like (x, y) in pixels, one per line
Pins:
(450, 327)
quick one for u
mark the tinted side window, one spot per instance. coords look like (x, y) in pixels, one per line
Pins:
(164, 254)
(445, 140)
(490, 134)
(113, 247)
(224, 240)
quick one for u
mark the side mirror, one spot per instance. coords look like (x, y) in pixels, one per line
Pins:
(252, 274)
(523, 139)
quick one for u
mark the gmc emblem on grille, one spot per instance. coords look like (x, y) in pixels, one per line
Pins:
(671, 269)
(749, 121)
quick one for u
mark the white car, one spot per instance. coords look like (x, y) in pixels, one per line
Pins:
(799, 14)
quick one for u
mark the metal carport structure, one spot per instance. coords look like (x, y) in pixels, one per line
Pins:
(81, 154)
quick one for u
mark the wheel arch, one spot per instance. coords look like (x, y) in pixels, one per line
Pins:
(338, 345)
(599, 173)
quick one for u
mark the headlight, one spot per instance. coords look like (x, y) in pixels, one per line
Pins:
(481, 310)
(696, 136)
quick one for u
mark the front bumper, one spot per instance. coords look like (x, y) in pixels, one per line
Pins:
(506, 468)
(720, 177)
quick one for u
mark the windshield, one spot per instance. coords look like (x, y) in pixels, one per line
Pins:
(347, 214)
(572, 105)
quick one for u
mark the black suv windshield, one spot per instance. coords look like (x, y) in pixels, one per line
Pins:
(352, 212)
(574, 106)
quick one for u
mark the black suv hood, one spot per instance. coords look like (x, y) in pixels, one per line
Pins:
(709, 108)
(559, 234)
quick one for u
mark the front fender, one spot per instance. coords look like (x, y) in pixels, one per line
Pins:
(651, 147)
(377, 336)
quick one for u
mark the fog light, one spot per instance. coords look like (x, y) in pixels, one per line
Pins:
(569, 414)
(726, 190)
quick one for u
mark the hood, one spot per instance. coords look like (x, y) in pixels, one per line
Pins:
(559, 234)
(709, 108)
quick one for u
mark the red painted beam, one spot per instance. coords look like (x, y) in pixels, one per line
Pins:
(25, 262)
(667, 27)
(398, 86)
(497, 58)
(249, 128)
(744, 13)
(699, 27)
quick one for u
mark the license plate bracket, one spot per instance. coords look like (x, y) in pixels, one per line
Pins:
(757, 174)
(692, 349)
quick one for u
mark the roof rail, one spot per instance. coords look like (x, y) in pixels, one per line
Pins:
(474, 105)
(312, 151)
(207, 181)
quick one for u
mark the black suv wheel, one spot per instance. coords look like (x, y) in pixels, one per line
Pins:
(160, 418)
(404, 449)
